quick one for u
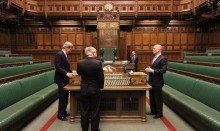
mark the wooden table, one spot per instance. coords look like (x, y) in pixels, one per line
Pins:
(118, 103)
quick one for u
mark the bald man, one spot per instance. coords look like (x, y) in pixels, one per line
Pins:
(156, 70)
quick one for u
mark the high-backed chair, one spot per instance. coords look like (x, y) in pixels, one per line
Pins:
(108, 54)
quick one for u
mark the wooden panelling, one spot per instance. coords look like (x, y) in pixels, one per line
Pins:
(161, 39)
(153, 38)
(176, 41)
(205, 40)
(40, 41)
(79, 39)
(138, 38)
(63, 38)
(129, 39)
(20, 38)
(88, 40)
(56, 41)
(169, 41)
(198, 38)
(72, 39)
(49, 41)
(146, 38)
(191, 41)
(183, 41)
(13, 42)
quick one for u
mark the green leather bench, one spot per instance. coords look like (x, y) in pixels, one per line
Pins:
(214, 59)
(15, 59)
(199, 69)
(23, 99)
(9, 71)
(195, 100)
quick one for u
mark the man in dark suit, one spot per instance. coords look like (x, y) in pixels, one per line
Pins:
(156, 70)
(92, 80)
(134, 60)
(62, 75)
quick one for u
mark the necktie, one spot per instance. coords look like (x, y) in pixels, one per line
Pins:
(155, 57)
(133, 58)
(67, 59)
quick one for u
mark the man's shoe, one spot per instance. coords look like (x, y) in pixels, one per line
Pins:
(158, 116)
(150, 113)
(62, 118)
(67, 114)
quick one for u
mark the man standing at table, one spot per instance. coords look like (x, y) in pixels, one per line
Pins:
(134, 60)
(156, 70)
(62, 75)
(92, 81)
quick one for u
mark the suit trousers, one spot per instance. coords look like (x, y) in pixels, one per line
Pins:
(90, 103)
(156, 100)
(63, 100)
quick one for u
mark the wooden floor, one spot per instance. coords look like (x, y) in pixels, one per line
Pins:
(170, 122)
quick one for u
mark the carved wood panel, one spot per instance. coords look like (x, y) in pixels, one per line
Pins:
(108, 34)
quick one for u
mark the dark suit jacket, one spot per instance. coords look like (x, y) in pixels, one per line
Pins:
(159, 66)
(62, 68)
(92, 77)
(135, 60)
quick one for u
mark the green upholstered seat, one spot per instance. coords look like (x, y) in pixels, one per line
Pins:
(5, 52)
(213, 51)
(198, 114)
(9, 71)
(33, 84)
(10, 93)
(214, 59)
(15, 59)
(199, 69)
(195, 100)
(23, 99)
(179, 82)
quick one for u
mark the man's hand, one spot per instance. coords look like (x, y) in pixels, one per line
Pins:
(70, 75)
(149, 70)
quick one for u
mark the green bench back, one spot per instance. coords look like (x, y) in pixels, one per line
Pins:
(5, 52)
(214, 59)
(213, 51)
(179, 82)
(9, 71)
(205, 92)
(4, 60)
(10, 93)
(16, 90)
(199, 69)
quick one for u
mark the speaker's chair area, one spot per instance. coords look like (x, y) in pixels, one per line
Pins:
(108, 54)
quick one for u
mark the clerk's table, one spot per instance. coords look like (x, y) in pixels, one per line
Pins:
(127, 102)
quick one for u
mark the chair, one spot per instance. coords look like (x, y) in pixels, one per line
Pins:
(108, 54)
